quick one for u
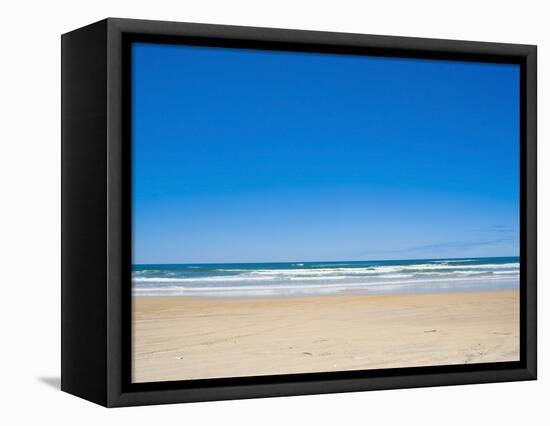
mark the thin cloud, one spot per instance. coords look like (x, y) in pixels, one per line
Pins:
(497, 229)
(464, 245)
(458, 245)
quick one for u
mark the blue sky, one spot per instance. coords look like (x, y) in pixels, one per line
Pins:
(254, 156)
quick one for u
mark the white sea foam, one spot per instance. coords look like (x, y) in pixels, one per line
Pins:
(373, 287)
(440, 275)
(341, 273)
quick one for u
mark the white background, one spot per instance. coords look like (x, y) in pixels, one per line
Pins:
(30, 211)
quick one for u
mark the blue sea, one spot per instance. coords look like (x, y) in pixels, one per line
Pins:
(325, 278)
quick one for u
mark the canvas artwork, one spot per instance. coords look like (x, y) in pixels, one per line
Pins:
(302, 212)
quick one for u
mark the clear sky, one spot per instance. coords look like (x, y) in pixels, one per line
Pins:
(255, 156)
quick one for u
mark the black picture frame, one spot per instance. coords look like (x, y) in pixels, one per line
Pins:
(96, 212)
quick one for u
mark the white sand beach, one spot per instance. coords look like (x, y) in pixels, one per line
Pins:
(178, 338)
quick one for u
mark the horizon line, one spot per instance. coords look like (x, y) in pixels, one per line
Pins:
(327, 261)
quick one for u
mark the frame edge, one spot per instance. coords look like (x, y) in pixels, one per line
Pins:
(83, 219)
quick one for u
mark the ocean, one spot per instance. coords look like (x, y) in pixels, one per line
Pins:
(325, 278)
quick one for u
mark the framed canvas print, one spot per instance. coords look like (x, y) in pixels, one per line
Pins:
(253, 212)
